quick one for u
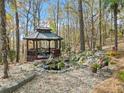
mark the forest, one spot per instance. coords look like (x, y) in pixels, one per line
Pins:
(61, 46)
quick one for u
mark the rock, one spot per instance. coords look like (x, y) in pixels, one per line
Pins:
(105, 72)
(66, 59)
(15, 85)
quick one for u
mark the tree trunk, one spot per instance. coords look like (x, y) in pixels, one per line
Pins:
(68, 24)
(100, 25)
(34, 14)
(115, 26)
(17, 33)
(92, 31)
(82, 36)
(27, 18)
(57, 23)
(3, 37)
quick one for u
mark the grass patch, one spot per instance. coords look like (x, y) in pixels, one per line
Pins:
(120, 75)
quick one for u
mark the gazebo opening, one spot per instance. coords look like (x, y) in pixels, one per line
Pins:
(43, 43)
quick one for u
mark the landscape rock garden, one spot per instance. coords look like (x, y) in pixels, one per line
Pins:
(89, 68)
(78, 72)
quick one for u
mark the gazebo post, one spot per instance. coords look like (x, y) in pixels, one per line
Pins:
(27, 49)
(49, 47)
(40, 44)
(33, 44)
(36, 46)
(54, 43)
(59, 44)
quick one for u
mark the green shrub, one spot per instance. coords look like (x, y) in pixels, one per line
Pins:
(12, 55)
(61, 65)
(96, 66)
(120, 75)
(106, 60)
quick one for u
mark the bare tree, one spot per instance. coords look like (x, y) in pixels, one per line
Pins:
(82, 36)
(3, 37)
(100, 25)
(17, 32)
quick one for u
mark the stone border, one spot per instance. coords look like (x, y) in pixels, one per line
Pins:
(57, 71)
(18, 84)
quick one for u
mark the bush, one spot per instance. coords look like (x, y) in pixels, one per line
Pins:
(106, 61)
(12, 55)
(61, 65)
(120, 75)
(94, 67)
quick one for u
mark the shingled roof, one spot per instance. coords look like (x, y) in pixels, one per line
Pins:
(43, 34)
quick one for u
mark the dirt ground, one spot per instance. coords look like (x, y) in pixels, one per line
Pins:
(75, 81)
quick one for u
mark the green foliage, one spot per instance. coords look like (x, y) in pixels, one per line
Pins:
(111, 3)
(106, 60)
(81, 60)
(55, 65)
(61, 65)
(95, 66)
(120, 75)
(53, 26)
(12, 55)
(81, 56)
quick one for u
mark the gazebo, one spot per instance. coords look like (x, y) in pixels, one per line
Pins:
(38, 52)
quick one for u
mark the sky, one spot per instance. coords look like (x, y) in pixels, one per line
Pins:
(44, 13)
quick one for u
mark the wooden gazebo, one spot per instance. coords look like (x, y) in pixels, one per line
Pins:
(42, 34)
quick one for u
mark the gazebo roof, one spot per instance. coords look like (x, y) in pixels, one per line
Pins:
(43, 34)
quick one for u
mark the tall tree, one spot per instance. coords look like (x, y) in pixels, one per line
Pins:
(100, 25)
(17, 32)
(82, 36)
(27, 17)
(114, 5)
(57, 25)
(3, 37)
(93, 28)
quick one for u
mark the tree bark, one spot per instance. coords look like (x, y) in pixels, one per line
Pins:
(27, 18)
(3, 37)
(82, 36)
(93, 34)
(17, 32)
(100, 25)
(57, 23)
(115, 25)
